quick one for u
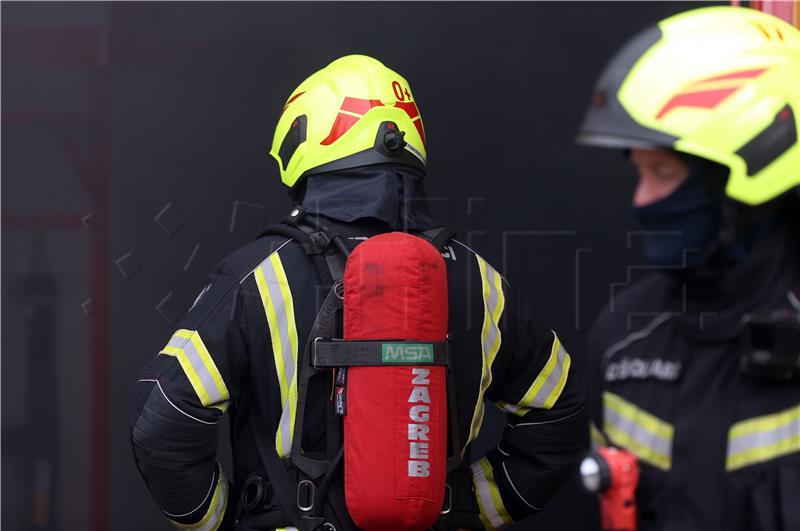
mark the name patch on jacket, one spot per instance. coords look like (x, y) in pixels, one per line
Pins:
(643, 369)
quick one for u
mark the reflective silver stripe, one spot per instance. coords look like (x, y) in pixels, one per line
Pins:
(492, 330)
(278, 305)
(177, 341)
(493, 513)
(198, 365)
(637, 432)
(758, 439)
(288, 353)
(205, 377)
(552, 379)
(548, 385)
(763, 438)
(491, 339)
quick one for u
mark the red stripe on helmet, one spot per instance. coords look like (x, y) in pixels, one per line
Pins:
(412, 111)
(291, 100)
(742, 74)
(706, 99)
(358, 105)
(344, 122)
(341, 125)
(695, 96)
(409, 107)
(418, 124)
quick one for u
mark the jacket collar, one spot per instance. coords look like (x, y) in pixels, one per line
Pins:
(392, 195)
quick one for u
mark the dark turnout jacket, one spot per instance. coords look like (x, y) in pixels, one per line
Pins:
(240, 342)
(719, 447)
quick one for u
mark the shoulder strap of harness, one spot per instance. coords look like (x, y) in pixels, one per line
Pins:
(438, 236)
(325, 248)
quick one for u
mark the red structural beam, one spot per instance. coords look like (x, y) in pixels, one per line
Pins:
(50, 219)
(43, 118)
(86, 47)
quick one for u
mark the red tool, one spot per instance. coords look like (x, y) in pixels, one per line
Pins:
(614, 475)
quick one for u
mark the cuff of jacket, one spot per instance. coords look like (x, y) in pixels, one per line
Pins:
(212, 519)
(493, 512)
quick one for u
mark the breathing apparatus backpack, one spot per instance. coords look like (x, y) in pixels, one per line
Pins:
(381, 340)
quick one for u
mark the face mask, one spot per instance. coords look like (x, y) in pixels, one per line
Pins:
(685, 220)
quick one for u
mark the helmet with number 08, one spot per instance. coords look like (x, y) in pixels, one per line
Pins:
(354, 112)
(720, 83)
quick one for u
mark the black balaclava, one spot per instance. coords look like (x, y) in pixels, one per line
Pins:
(394, 195)
(691, 218)
(686, 219)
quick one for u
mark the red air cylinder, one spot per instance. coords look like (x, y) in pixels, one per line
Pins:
(395, 429)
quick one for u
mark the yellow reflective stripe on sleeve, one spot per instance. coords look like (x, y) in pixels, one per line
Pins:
(276, 297)
(641, 432)
(198, 365)
(763, 438)
(493, 513)
(547, 387)
(493, 304)
(216, 510)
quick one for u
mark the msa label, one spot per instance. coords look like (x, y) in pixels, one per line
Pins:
(407, 353)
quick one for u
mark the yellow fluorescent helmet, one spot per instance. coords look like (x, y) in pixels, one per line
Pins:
(354, 112)
(721, 83)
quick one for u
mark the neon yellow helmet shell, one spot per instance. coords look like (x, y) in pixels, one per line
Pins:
(354, 112)
(721, 83)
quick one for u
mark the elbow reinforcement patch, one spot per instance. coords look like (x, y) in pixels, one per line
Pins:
(175, 452)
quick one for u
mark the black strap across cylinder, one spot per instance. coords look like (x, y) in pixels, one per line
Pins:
(332, 353)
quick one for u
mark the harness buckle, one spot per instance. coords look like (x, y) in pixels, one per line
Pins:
(305, 495)
(338, 290)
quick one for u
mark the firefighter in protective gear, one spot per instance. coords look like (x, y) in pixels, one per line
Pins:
(350, 146)
(694, 368)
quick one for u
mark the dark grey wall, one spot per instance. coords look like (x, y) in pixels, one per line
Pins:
(194, 91)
